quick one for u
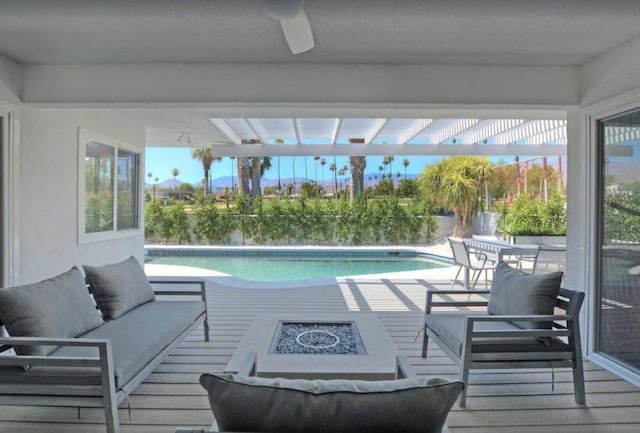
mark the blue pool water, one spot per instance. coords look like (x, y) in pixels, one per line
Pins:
(285, 266)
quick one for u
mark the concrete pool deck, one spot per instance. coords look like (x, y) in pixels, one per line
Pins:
(439, 248)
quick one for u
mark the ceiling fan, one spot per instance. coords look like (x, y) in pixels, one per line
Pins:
(294, 22)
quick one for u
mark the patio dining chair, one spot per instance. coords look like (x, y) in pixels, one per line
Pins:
(469, 261)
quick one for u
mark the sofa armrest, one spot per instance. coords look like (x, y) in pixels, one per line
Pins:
(179, 291)
(103, 352)
(201, 292)
(431, 302)
(555, 331)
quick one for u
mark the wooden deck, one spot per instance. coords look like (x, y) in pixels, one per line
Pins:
(500, 401)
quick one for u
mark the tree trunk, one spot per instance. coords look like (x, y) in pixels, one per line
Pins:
(463, 227)
(243, 175)
(358, 165)
(255, 177)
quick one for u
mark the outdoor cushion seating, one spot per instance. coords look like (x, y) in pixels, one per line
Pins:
(99, 363)
(243, 403)
(520, 328)
(252, 404)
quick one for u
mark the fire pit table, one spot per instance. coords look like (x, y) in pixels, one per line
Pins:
(318, 346)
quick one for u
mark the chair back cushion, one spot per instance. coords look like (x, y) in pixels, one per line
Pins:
(255, 404)
(514, 292)
(119, 287)
(59, 307)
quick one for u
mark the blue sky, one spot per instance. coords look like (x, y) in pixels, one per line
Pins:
(161, 160)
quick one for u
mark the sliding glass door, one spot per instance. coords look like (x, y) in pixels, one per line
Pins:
(618, 249)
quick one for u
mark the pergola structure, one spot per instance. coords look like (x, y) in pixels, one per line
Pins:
(386, 136)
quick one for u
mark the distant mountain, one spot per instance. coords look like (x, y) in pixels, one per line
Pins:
(169, 183)
(220, 183)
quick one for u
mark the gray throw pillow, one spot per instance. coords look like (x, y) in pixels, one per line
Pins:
(248, 404)
(59, 307)
(516, 292)
(119, 287)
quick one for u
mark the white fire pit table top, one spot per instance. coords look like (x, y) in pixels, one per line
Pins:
(375, 360)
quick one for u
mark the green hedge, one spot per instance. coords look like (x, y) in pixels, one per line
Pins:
(387, 220)
(529, 216)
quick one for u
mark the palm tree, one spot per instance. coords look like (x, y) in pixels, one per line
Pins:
(358, 165)
(316, 159)
(322, 163)
(155, 186)
(333, 168)
(149, 175)
(233, 178)
(406, 164)
(174, 172)
(279, 141)
(388, 160)
(206, 158)
(294, 174)
(455, 184)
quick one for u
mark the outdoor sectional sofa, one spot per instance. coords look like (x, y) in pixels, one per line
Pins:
(63, 351)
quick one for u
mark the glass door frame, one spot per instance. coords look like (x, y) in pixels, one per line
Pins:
(592, 117)
(9, 194)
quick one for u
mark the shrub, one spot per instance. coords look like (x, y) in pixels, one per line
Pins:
(528, 216)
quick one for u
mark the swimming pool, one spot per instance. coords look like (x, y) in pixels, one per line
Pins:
(291, 264)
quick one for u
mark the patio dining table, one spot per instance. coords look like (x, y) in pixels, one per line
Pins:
(501, 249)
(497, 251)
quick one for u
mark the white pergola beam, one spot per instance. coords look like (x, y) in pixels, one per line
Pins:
(378, 124)
(418, 126)
(258, 129)
(296, 130)
(479, 134)
(224, 127)
(336, 130)
(527, 130)
(452, 130)
(548, 136)
(396, 149)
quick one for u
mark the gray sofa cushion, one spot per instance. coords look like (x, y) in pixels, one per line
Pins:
(136, 338)
(246, 404)
(451, 328)
(56, 307)
(517, 292)
(119, 287)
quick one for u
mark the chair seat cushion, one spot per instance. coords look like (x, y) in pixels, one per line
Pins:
(136, 338)
(451, 328)
(514, 292)
(417, 404)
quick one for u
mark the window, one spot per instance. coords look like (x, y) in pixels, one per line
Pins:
(109, 189)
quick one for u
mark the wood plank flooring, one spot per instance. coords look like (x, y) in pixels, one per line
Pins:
(508, 401)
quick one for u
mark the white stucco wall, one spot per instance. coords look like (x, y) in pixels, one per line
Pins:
(48, 183)
(10, 80)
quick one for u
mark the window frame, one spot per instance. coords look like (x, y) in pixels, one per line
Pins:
(84, 137)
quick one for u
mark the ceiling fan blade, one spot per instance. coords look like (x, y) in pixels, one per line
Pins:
(297, 32)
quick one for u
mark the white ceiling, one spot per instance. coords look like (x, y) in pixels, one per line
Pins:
(465, 32)
(522, 32)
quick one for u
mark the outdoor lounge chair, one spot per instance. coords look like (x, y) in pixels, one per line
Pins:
(520, 329)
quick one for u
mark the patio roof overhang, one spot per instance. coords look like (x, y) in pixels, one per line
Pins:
(250, 136)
